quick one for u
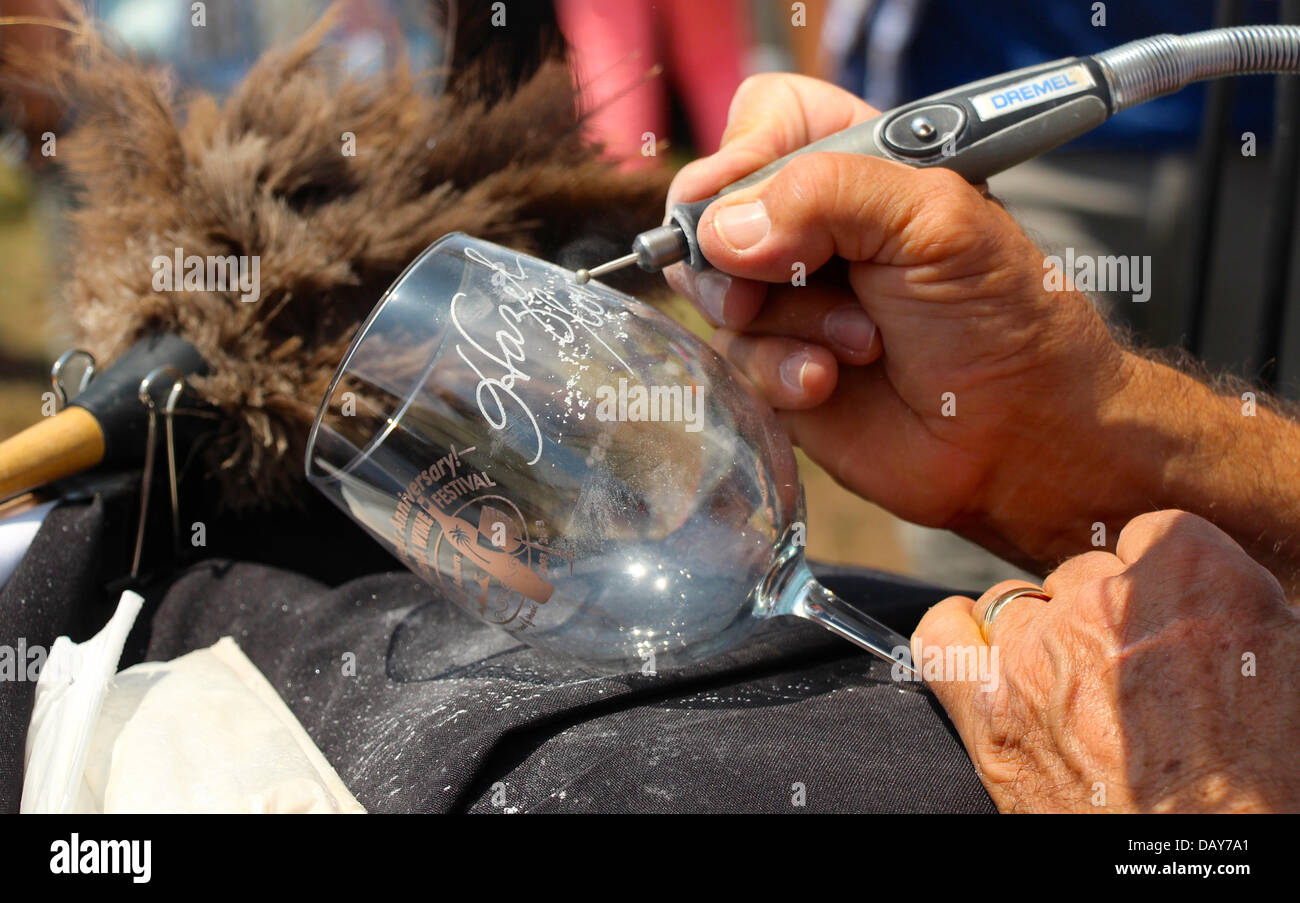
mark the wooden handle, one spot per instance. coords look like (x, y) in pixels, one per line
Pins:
(69, 442)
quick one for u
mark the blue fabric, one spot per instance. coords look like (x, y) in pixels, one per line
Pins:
(957, 41)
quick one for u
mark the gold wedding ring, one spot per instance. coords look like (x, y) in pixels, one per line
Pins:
(986, 623)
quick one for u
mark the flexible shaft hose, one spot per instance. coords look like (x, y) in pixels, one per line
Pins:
(1152, 67)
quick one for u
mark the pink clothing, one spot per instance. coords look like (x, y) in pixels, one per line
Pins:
(701, 46)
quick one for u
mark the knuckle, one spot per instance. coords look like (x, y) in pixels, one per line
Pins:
(759, 83)
(689, 173)
(807, 178)
(1185, 547)
(1079, 564)
(1219, 580)
(950, 212)
(752, 97)
(933, 622)
(1066, 574)
(1104, 601)
(825, 190)
(1157, 523)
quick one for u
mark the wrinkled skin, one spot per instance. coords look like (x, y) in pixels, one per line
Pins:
(1160, 678)
(1128, 690)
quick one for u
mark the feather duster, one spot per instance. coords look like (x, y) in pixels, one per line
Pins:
(498, 155)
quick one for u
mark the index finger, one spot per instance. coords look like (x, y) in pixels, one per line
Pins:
(770, 116)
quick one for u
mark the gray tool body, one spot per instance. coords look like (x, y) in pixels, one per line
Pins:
(985, 127)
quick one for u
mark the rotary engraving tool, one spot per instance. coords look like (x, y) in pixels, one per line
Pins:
(987, 126)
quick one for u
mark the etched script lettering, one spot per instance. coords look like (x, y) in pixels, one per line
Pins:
(499, 366)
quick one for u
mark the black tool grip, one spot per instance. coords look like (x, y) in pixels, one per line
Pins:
(113, 396)
(687, 216)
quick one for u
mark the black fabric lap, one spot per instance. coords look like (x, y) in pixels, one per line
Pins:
(421, 708)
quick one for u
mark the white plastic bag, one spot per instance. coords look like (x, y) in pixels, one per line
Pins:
(69, 694)
(202, 733)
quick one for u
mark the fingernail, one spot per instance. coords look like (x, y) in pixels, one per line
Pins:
(711, 291)
(793, 369)
(851, 327)
(742, 225)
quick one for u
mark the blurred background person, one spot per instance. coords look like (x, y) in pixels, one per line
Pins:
(699, 48)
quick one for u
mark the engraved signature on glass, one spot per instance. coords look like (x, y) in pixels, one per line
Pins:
(520, 442)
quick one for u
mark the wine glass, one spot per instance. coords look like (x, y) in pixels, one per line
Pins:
(570, 465)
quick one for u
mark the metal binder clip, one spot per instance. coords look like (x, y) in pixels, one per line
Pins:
(61, 396)
(146, 477)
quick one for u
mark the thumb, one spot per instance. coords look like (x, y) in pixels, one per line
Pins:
(853, 206)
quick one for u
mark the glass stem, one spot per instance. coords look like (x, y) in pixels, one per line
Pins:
(801, 595)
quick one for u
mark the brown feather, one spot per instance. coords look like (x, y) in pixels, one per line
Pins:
(264, 174)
